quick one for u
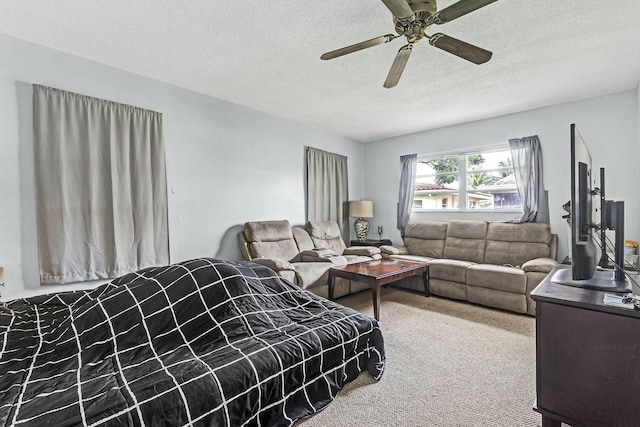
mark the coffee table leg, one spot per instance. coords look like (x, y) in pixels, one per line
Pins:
(425, 278)
(375, 289)
(331, 280)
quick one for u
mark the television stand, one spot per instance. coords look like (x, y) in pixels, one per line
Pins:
(602, 280)
(587, 370)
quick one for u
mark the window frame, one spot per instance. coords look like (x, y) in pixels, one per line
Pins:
(463, 176)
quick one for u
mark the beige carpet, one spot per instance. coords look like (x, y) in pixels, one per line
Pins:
(449, 363)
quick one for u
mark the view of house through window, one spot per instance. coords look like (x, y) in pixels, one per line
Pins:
(474, 180)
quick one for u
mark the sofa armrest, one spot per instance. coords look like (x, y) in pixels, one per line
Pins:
(361, 250)
(338, 260)
(322, 255)
(274, 264)
(539, 265)
(394, 250)
(318, 253)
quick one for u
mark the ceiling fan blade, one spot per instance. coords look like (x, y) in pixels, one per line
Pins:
(398, 66)
(400, 9)
(459, 9)
(358, 46)
(459, 48)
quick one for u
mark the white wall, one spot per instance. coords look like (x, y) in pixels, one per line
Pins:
(609, 125)
(226, 164)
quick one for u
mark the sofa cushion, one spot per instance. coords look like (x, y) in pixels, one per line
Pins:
(539, 265)
(352, 259)
(498, 277)
(467, 229)
(326, 234)
(514, 253)
(426, 238)
(446, 288)
(317, 253)
(274, 264)
(369, 251)
(271, 239)
(465, 241)
(449, 269)
(318, 256)
(431, 230)
(516, 244)
(417, 258)
(498, 299)
(394, 250)
(268, 231)
(302, 239)
(357, 286)
(531, 232)
(283, 249)
(341, 287)
(290, 275)
(309, 274)
(338, 260)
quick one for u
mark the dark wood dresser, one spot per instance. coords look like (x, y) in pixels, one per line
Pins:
(587, 358)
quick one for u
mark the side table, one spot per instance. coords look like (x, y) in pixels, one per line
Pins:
(371, 242)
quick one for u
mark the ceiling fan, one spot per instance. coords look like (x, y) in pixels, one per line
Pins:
(411, 19)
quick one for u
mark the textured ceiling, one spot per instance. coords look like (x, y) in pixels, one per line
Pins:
(265, 55)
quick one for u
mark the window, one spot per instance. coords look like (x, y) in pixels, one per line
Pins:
(479, 180)
(437, 181)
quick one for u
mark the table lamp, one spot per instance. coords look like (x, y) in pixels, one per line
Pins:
(361, 209)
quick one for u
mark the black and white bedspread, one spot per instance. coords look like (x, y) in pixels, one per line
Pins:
(203, 342)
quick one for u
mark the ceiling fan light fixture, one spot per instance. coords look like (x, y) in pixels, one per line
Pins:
(414, 34)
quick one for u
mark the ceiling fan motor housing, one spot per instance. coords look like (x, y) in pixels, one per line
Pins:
(422, 9)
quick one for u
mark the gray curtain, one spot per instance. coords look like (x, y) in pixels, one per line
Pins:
(408, 165)
(526, 154)
(101, 191)
(328, 189)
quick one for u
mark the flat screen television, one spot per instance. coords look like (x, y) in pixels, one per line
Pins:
(585, 254)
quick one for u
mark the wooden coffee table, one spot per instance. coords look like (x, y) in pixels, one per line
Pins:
(379, 273)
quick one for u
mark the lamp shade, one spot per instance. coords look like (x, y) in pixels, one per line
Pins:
(361, 208)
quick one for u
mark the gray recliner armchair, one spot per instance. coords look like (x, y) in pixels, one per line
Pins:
(271, 243)
(302, 257)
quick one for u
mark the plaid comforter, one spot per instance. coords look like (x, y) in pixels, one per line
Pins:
(203, 342)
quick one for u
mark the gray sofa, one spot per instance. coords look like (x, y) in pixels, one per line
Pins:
(489, 263)
(303, 255)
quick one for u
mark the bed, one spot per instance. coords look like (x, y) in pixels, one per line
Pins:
(202, 342)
